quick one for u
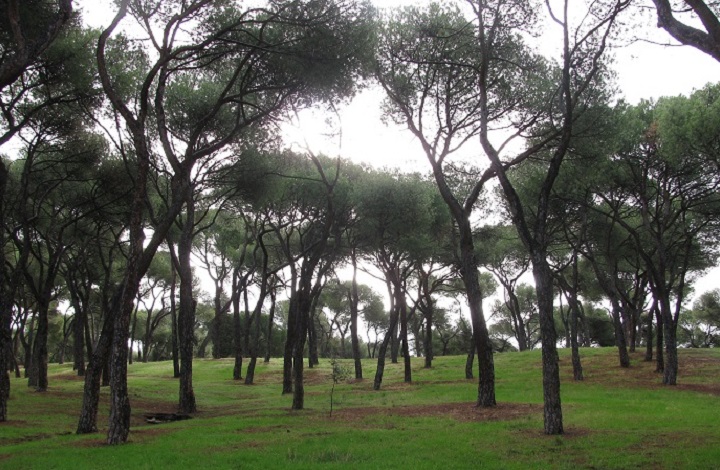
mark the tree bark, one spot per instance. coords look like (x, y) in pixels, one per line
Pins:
(670, 364)
(660, 357)
(404, 336)
(483, 345)
(38, 373)
(79, 339)
(429, 353)
(552, 410)
(173, 320)
(469, 362)
(186, 317)
(354, 300)
(91, 391)
(313, 357)
(382, 351)
(577, 364)
(271, 319)
(649, 337)
(394, 344)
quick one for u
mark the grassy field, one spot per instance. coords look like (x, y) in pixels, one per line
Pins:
(614, 419)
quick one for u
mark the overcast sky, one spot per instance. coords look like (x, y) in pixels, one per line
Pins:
(644, 70)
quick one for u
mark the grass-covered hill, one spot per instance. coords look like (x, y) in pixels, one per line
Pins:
(616, 418)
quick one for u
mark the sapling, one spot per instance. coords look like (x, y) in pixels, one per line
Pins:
(338, 373)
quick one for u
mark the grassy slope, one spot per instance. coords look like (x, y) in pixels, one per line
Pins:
(614, 419)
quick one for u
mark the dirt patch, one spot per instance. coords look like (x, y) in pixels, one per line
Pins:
(709, 389)
(459, 411)
(20, 440)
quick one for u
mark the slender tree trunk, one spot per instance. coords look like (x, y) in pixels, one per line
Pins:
(89, 347)
(632, 331)
(237, 330)
(394, 344)
(215, 326)
(290, 341)
(382, 351)
(670, 369)
(132, 335)
(173, 322)
(649, 337)
(354, 300)
(483, 345)
(513, 305)
(404, 335)
(38, 374)
(91, 391)
(79, 339)
(469, 362)
(304, 304)
(577, 364)
(659, 333)
(186, 317)
(313, 357)
(5, 347)
(428, 339)
(271, 319)
(119, 428)
(574, 314)
(553, 422)
(255, 348)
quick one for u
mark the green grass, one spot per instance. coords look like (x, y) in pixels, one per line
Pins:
(615, 419)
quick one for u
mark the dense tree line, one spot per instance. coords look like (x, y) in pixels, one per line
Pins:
(143, 158)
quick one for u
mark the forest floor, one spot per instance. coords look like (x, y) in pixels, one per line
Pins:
(615, 418)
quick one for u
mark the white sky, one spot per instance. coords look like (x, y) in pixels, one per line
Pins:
(644, 70)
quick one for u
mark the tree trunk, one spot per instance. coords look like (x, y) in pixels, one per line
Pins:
(428, 339)
(5, 348)
(91, 391)
(382, 351)
(79, 340)
(469, 362)
(38, 374)
(288, 353)
(271, 318)
(649, 337)
(132, 335)
(481, 337)
(237, 330)
(670, 369)
(552, 410)
(313, 357)
(660, 359)
(577, 364)
(620, 335)
(574, 314)
(119, 427)
(354, 301)
(173, 324)
(304, 304)
(147, 338)
(404, 335)
(394, 344)
(186, 317)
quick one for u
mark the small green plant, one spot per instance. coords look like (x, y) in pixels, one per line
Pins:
(338, 372)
